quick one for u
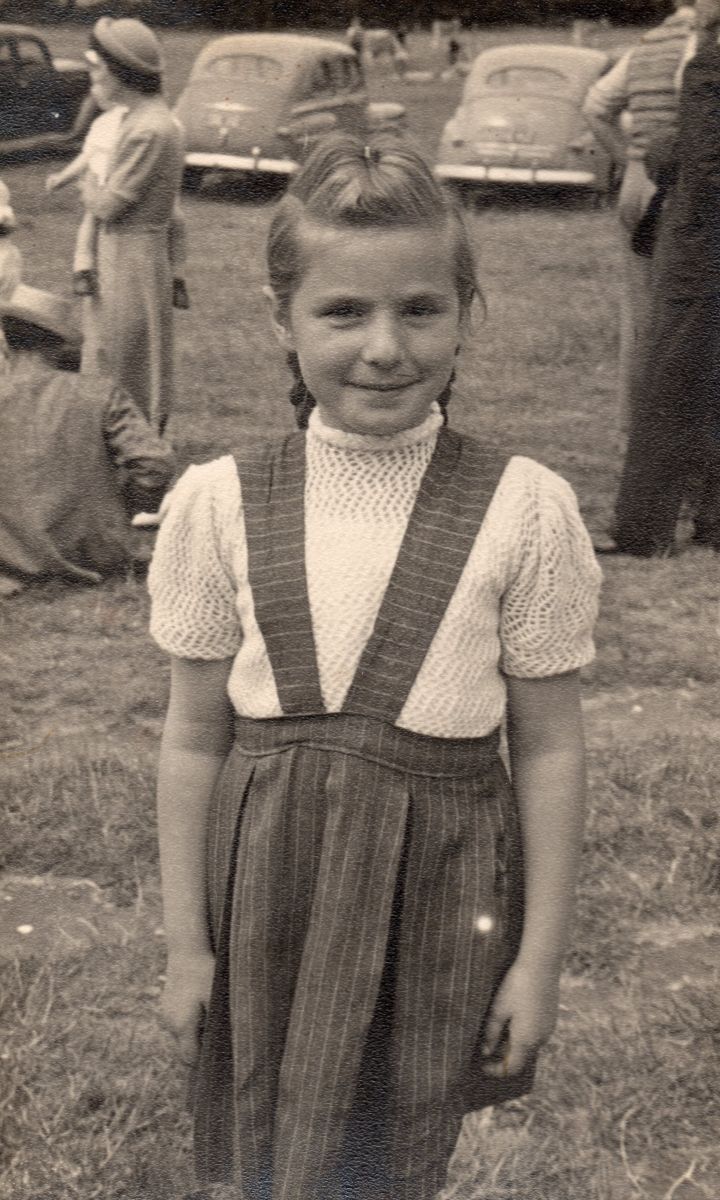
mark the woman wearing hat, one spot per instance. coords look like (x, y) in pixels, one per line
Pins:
(10, 256)
(128, 324)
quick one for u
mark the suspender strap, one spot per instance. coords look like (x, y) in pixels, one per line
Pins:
(272, 483)
(453, 498)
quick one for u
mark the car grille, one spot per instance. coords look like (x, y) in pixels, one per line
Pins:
(506, 152)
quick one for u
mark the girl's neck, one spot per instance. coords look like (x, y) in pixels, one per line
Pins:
(426, 431)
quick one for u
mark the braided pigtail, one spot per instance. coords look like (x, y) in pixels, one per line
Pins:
(445, 397)
(300, 397)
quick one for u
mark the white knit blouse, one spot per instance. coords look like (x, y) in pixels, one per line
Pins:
(524, 606)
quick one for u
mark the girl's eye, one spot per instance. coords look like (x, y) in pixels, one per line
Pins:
(346, 311)
(422, 308)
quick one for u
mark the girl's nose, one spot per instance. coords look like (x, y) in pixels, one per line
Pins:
(383, 342)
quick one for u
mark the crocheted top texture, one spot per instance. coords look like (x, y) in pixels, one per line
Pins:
(524, 606)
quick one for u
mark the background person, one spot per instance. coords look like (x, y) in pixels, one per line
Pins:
(11, 263)
(674, 439)
(78, 457)
(642, 83)
(128, 324)
(354, 35)
(343, 885)
(95, 158)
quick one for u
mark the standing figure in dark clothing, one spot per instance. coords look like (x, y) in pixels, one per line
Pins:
(674, 437)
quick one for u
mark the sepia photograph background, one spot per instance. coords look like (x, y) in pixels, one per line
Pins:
(625, 1105)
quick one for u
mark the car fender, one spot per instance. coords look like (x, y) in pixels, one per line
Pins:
(386, 115)
(70, 66)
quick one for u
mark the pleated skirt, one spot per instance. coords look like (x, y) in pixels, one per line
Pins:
(365, 900)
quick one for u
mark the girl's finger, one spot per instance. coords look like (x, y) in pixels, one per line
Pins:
(510, 1062)
(494, 1033)
(516, 1057)
(188, 1045)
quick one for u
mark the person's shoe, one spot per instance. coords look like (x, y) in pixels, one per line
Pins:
(85, 283)
(604, 543)
(706, 540)
(180, 297)
(145, 520)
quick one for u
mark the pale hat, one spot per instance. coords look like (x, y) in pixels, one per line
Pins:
(44, 310)
(129, 43)
(7, 216)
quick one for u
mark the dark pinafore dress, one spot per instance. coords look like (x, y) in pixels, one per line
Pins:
(365, 886)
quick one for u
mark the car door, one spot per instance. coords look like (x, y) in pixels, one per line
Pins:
(36, 87)
(11, 114)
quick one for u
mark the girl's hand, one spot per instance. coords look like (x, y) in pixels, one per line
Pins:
(185, 1000)
(522, 1018)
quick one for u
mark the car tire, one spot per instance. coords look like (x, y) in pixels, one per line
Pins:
(462, 193)
(192, 179)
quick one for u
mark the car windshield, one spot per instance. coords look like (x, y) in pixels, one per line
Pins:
(246, 68)
(528, 79)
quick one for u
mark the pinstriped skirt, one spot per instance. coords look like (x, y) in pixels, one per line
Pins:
(365, 897)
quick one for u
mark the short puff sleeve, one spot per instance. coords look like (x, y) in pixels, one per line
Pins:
(191, 584)
(550, 606)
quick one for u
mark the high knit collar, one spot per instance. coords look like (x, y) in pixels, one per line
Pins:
(373, 443)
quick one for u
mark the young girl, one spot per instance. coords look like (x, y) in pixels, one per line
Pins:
(350, 612)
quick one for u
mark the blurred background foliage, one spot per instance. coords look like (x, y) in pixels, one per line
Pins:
(254, 14)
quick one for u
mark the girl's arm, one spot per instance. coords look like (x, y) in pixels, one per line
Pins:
(196, 739)
(547, 758)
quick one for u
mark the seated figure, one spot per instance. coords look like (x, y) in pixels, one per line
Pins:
(79, 458)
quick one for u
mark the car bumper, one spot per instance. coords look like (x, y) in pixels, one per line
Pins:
(559, 176)
(240, 162)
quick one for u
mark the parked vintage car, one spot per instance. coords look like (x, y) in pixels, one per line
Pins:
(520, 121)
(41, 97)
(257, 102)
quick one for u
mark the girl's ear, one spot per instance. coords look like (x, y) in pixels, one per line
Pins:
(279, 319)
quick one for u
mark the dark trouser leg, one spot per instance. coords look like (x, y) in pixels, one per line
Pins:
(707, 513)
(672, 409)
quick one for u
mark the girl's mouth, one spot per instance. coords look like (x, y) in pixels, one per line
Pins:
(399, 386)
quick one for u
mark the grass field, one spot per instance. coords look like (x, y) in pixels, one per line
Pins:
(626, 1101)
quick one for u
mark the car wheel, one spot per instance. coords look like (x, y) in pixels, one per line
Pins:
(192, 178)
(462, 193)
(601, 199)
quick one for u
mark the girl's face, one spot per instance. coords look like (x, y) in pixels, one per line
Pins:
(375, 323)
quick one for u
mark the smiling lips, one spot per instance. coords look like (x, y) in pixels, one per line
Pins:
(384, 387)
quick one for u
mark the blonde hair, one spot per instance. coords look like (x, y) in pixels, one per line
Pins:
(384, 183)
